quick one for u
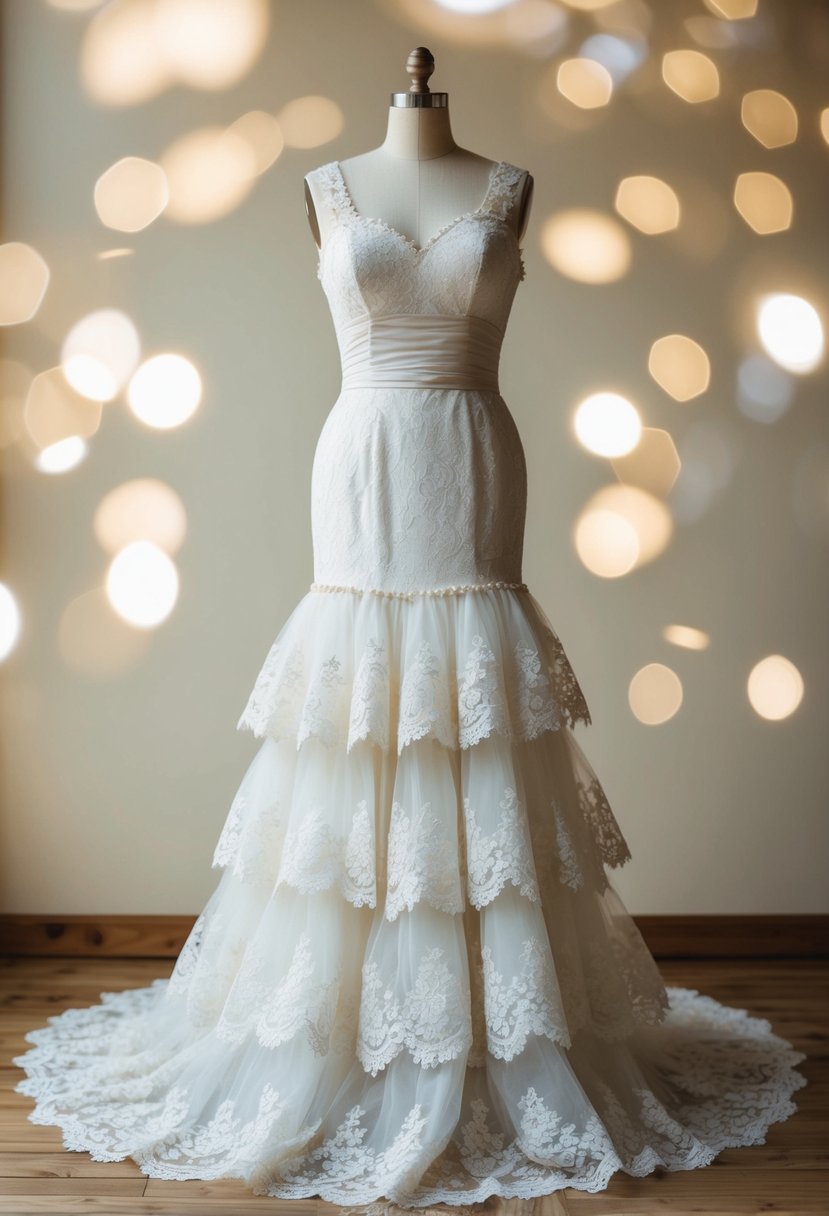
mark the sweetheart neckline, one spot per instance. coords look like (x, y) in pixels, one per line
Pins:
(419, 250)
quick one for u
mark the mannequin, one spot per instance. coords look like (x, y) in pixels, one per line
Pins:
(418, 179)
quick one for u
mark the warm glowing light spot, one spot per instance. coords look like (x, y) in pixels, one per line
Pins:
(588, 6)
(54, 412)
(121, 63)
(588, 246)
(790, 331)
(691, 75)
(620, 528)
(606, 543)
(655, 694)
(824, 124)
(142, 584)
(473, 7)
(680, 366)
(535, 24)
(687, 637)
(75, 6)
(769, 117)
(775, 687)
(211, 46)
(9, 622)
(764, 202)
(131, 194)
(61, 456)
(732, 10)
(165, 391)
(100, 353)
(584, 82)
(648, 203)
(653, 465)
(307, 122)
(143, 509)
(764, 390)
(209, 172)
(620, 56)
(263, 135)
(93, 640)
(24, 277)
(607, 424)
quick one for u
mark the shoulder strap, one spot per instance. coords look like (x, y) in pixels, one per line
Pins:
(506, 188)
(331, 192)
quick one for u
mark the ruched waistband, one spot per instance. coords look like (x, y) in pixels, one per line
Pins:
(420, 349)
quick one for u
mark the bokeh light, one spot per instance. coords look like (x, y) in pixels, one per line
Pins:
(653, 464)
(607, 424)
(655, 694)
(209, 172)
(309, 122)
(824, 124)
(680, 366)
(62, 456)
(621, 527)
(120, 61)
(586, 245)
(687, 637)
(791, 332)
(619, 56)
(769, 117)
(165, 391)
(764, 390)
(691, 75)
(584, 82)
(647, 203)
(764, 202)
(775, 687)
(24, 277)
(100, 353)
(142, 509)
(131, 194)
(263, 135)
(9, 622)
(210, 46)
(732, 10)
(142, 584)
(54, 411)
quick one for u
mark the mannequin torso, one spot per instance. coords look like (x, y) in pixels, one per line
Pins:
(418, 180)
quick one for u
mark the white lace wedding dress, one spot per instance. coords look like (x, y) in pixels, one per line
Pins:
(413, 979)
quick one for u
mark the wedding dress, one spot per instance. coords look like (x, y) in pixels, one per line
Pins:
(414, 979)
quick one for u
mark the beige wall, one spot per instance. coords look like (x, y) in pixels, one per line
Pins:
(114, 789)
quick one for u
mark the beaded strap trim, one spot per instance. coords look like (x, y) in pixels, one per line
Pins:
(455, 589)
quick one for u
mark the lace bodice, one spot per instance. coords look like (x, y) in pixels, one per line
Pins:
(470, 266)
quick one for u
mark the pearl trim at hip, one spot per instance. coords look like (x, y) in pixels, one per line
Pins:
(455, 589)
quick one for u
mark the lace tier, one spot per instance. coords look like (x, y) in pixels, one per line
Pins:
(458, 669)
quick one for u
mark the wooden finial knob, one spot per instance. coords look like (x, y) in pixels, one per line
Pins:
(420, 65)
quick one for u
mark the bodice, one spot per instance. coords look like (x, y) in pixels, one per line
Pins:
(470, 267)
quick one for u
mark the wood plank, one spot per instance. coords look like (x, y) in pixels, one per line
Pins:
(783, 935)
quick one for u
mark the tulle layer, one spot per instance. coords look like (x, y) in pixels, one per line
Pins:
(130, 1077)
(413, 979)
(458, 668)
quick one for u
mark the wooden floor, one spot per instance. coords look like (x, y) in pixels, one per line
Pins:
(788, 1175)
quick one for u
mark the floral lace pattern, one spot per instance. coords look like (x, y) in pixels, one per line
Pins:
(432, 1020)
(459, 702)
(731, 1078)
(500, 857)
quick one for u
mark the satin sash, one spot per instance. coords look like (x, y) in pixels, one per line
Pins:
(420, 349)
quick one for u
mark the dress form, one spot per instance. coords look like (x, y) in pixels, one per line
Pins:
(419, 178)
